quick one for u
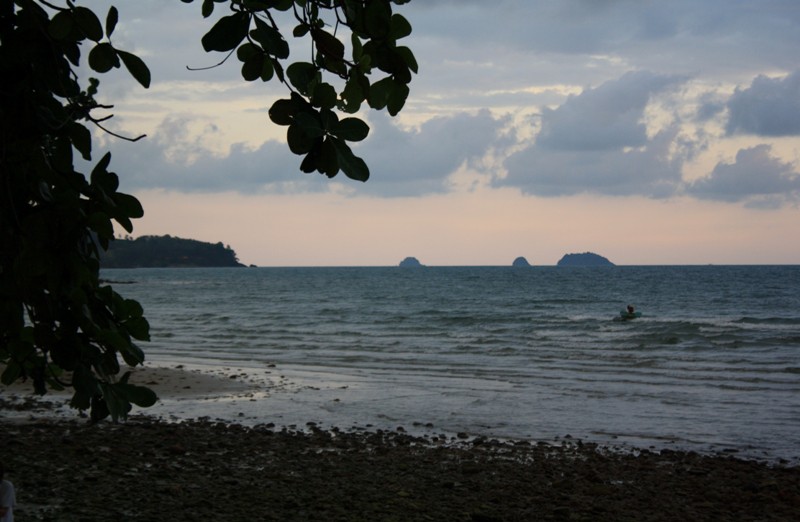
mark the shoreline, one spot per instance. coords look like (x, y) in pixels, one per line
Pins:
(147, 469)
(290, 397)
(153, 468)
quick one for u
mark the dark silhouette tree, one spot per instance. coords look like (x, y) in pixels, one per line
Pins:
(60, 325)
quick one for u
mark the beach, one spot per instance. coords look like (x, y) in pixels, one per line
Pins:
(151, 469)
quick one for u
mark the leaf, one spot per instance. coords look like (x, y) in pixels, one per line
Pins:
(328, 44)
(267, 70)
(310, 124)
(397, 99)
(299, 142)
(112, 339)
(246, 50)
(103, 58)
(99, 222)
(300, 30)
(138, 328)
(358, 49)
(132, 354)
(278, 70)
(81, 139)
(227, 33)
(270, 39)
(301, 75)
(60, 25)
(353, 166)
(106, 181)
(324, 96)
(129, 205)
(103, 164)
(111, 20)
(138, 395)
(328, 161)
(400, 27)
(408, 57)
(280, 5)
(115, 401)
(136, 67)
(309, 163)
(329, 119)
(207, 8)
(99, 409)
(88, 23)
(378, 19)
(379, 93)
(351, 129)
(252, 67)
(353, 94)
(282, 112)
(133, 308)
(73, 53)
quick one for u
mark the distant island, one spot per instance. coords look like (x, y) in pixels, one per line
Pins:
(167, 252)
(585, 259)
(410, 262)
(520, 262)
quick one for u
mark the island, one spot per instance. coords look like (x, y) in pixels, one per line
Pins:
(410, 262)
(166, 252)
(520, 262)
(584, 259)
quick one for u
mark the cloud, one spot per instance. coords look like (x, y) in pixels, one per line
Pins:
(175, 157)
(769, 107)
(402, 162)
(510, 57)
(418, 162)
(755, 177)
(607, 117)
(597, 142)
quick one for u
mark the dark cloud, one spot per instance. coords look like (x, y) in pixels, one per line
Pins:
(607, 117)
(647, 171)
(680, 35)
(769, 107)
(756, 177)
(596, 143)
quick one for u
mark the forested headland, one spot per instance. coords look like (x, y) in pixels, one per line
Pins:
(167, 251)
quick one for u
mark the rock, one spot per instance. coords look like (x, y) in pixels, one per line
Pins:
(585, 259)
(520, 262)
(410, 262)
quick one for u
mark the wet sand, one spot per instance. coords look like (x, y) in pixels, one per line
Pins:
(151, 470)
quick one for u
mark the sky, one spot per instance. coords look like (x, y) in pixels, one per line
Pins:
(648, 132)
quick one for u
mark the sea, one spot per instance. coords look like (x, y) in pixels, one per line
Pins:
(537, 354)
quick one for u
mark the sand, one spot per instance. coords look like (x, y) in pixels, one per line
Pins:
(148, 469)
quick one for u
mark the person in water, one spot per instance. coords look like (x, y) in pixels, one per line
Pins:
(630, 309)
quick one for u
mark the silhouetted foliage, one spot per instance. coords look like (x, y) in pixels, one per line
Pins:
(59, 324)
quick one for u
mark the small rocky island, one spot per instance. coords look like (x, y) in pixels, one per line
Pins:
(584, 259)
(520, 262)
(167, 252)
(410, 262)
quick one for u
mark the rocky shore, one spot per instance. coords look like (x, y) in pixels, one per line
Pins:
(156, 471)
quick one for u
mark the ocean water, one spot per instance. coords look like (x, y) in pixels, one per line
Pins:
(532, 353)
